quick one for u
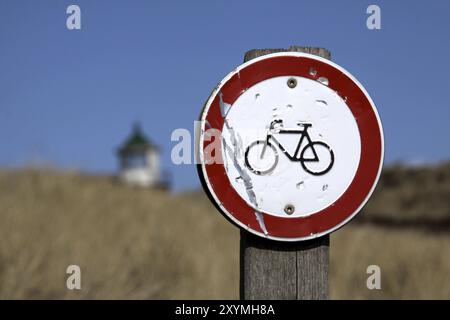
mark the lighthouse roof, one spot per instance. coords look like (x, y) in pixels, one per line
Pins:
(137, 142)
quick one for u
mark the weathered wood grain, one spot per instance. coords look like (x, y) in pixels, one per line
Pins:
(277, 270)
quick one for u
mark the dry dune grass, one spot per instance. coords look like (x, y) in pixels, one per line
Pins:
(411, 193)
(129, 243)
(148, 244)
(414, 265)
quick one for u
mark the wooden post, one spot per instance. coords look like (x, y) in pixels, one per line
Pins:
(282, 270)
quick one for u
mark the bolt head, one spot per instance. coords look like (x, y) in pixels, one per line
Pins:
(292, 83)
(289, 209)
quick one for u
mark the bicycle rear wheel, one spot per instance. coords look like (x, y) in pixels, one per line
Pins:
(258, 164)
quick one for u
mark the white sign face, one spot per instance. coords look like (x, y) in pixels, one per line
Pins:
(291, 123)
(301, 146)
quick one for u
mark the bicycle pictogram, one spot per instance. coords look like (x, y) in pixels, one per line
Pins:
(256, 153)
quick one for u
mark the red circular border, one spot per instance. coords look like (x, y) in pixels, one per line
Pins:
(371, 147)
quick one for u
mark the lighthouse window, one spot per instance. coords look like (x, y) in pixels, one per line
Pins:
(135, 161)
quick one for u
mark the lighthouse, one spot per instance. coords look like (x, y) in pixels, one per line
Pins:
(139, 160)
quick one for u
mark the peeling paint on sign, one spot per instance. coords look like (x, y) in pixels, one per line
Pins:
(310, 102)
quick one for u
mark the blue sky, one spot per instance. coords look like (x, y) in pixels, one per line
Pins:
(70, 97)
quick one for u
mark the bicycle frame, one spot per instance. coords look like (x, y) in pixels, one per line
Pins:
(295, 157)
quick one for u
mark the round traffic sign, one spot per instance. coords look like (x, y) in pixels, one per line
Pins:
(290, 147)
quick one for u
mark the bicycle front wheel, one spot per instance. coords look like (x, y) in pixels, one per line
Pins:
(324, 161)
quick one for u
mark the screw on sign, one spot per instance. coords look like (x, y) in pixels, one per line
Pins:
(301, 146)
